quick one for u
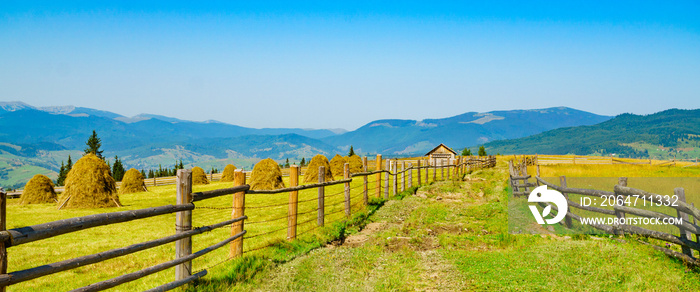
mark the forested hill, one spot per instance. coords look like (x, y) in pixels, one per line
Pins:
(626, 135)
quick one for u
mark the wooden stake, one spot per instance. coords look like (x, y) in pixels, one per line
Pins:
(403, 176)
(419, 180)
(293, 203)
(322, 195)
(395, 168)
(567, 219)
(238, 211)
(183, 223)
(364, 169)
(386, 180)
(346, 175)
(379, 175)
(410, 176)
(680, 192)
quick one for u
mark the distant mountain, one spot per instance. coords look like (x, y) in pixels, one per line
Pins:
(404, 137)
(626, 135)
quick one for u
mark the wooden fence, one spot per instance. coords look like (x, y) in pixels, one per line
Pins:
(522, 186)
(186, 202)
(577, 159)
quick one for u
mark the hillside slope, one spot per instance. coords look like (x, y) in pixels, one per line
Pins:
(625, 135)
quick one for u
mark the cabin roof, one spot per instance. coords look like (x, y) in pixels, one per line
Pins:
(438, 146)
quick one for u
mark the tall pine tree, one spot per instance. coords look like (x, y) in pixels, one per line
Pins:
(352, 151)
(93, 145)
(117, 169)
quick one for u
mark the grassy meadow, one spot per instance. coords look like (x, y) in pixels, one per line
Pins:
(267, 214)
(453, 236)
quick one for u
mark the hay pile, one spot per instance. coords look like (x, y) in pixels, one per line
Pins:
(311, 175)
(337, 165)
(90, 185)
(355, 164)
(227, 176)
(266, 175)
(199, 177)
(39, 190)
(132, 182)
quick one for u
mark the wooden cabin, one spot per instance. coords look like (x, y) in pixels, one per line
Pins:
(442, 154)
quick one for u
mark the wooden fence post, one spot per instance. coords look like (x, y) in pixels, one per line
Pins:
(567, 219)
(293, 203)
(622, 181)
(418, 166)
(435, 169)
(3, 226)
(346, 175)
(680, 192)
(403, 176)
(183, 223)
(427, 170)
(410, 175)
(386, 180)
(442, 169)
(238, 211)
(364, 169)
(154, 181)
(396, 176)
(379, 175)
(322, 196)
(695, 221)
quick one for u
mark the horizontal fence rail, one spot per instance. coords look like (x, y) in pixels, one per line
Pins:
(350, 198)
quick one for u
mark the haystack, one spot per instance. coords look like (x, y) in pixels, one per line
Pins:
(39, 190)
(89, 185)
(199, 177)
(266, 175)
(132, 182)
(311, 175)
(355, 164)
(337, 164)
(227, 175)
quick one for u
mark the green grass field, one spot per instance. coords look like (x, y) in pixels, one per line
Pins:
(453, 236)
(272, 219)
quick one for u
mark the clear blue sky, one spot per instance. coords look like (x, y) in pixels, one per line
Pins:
(321, 65)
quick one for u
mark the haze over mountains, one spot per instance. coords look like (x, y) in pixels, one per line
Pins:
(42, 137)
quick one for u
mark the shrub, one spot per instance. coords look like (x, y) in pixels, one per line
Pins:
(266, 175)
(90, 185)
(39, 190)
(132, 182)
(199, 177)
(311, 175)
(227, 175)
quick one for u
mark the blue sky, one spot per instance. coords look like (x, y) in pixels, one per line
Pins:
(340, 65)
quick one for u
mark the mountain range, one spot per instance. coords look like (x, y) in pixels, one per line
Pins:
(37, 139)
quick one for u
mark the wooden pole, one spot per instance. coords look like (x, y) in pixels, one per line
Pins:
(386, 180)
(680, 192)
(622, 181)
(346, 175)
(567, 219)
(379, 175)
(435, 169)
(322, 195)
(403, 176)
(238, 211)
(364, 168)
(293, 203)
(183, 223)
(442, 169)
(410, 176)
(395, 168)
(427, 170)
(418, 165)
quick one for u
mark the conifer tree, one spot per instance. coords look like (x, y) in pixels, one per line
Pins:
(93, 145)
(482, 151)
(352, 151)
(118, 169)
